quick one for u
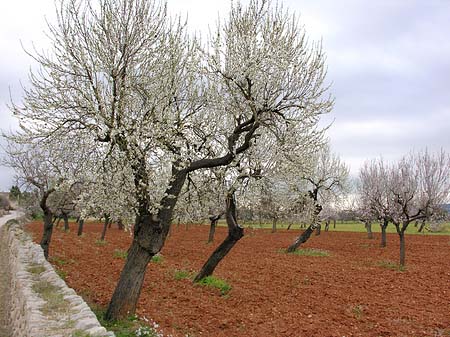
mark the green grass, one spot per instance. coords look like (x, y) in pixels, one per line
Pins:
(61, 273)
(391, 265)
(157, 258)
(100, 242)
(215, 282)
(125, 327)
(120, 254)
(310, 252)
(182, 274)
(358, 311)
(348, 226)
(51, 295)
(59, 261)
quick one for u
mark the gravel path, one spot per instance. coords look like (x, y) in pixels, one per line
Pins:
(4, 280)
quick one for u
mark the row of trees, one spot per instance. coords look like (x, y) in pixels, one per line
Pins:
(412, 189)
(131, 119)
(132, 112)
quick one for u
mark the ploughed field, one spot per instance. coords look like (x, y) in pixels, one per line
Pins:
(354, 291)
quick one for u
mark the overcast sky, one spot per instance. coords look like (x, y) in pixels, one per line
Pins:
(388, 62)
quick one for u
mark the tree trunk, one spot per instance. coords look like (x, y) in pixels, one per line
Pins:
(301, 239)
(80, 227)
(334, 223)
(150, 232)
(212, 228)
(120, 225)
(57, 223)
(289, 226)
(368, 225)
(66, 222)
(402, 248)
(383, 226)
(105, 226)
(318, 228)
(383, 236)
(307, 233)
(274, 225)
(422, 226)
(235, 233)
(327, 225)
(48, 223)
(47, 234)
(124, 300)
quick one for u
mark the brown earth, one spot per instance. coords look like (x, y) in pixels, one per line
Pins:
(274, 294)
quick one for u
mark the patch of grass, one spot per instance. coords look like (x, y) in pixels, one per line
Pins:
(61, 273)
(157, 258)
(391, 265)
(79, 333)
(306, 281)
(120, 254)
(215, 282)
(100, 243)
(128, 327)
(36, 269)
(182, 274)
(310, 252)
(59, 261)
(358, 311)
(51, 295)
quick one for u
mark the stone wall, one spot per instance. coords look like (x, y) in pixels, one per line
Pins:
(40, 302)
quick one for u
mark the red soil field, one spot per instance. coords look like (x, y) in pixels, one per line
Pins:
(273, 294)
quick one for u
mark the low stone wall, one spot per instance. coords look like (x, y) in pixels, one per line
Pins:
(40, 302)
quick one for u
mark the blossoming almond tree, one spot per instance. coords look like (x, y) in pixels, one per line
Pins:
(373, 194)
(327, 178)
(128, 76)
(418, 184)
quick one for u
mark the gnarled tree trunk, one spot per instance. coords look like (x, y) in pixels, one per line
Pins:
(274, 225)
(80, 226)
(383, 226)
(318, 229)
(421, 226)
(212, 228)
(301, 239)
(150, 232)
(66, 221)
(368, 225)
(235, 233)
(105, 226)
(48, 223)
(307, 233)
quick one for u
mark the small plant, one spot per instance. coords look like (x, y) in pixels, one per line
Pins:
(58, 260)
(358, 311)
(214, 282)
(182, 274)
(306, 281)
(120, 254)
(310, 252)
(36, 269)
(100, 242)
(158, 258)
(128, 327)
(391, 265)
(144, 331)
(61, 273)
